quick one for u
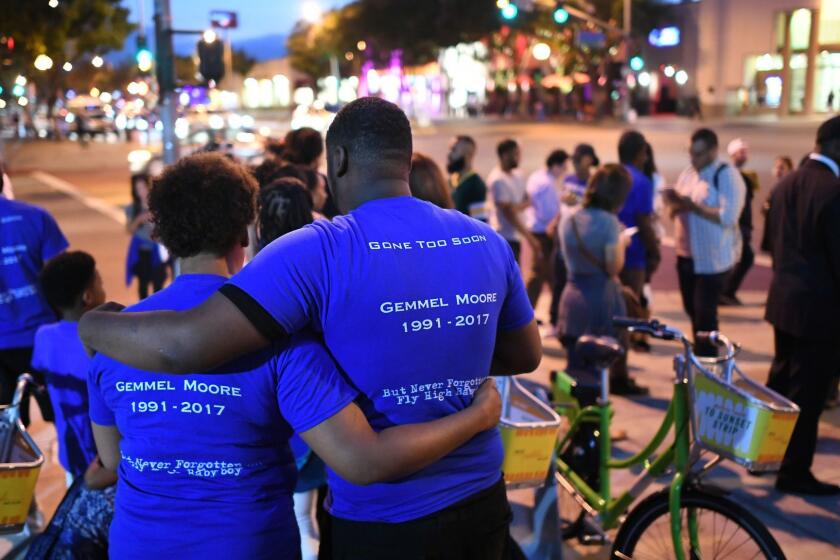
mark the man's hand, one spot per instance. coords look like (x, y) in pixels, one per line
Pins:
(108, 307)
(488, 402)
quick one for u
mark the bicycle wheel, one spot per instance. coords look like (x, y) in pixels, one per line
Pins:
(725, 530)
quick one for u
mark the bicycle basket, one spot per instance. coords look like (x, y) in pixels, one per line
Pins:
(738, 418)
(19, 469)
(529, 434)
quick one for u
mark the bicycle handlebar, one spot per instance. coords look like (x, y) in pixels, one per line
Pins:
(653, 328)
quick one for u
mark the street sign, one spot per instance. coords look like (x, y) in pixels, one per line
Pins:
(223, 20)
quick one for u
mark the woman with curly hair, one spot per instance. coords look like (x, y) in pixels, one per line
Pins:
(203, 461)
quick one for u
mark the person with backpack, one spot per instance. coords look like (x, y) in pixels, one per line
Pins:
(706, 204)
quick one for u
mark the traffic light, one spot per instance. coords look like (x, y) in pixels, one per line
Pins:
(143, 56)
(211, 58)
(510, 11)
(561, 16)
(637, 63)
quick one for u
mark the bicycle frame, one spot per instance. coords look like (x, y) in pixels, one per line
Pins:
(599, 501)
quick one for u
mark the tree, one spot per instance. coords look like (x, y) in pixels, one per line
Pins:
(74, 31)
(242, 62)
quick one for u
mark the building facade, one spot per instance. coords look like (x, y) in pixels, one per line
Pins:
(747, 57)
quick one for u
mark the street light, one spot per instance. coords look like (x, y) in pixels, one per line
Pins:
(669, 71)
(361, 45)
(681, 77)
(43, 62)
(97, 61)
(20, 81)
(311, 12)
(209, 36)
(67, 67)
(53, 3)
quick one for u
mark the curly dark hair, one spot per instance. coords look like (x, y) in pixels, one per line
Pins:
(202, 204)
(285, 205)
(65, 278)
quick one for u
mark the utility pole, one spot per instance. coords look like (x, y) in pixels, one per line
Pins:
(165, 64)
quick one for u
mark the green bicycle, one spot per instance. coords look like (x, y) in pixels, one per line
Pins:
(689, 519)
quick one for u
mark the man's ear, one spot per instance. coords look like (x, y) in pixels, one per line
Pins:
(342, 161)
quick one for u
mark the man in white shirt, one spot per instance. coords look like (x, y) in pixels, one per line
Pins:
(543, 191)
(510, 199)
(706, 202)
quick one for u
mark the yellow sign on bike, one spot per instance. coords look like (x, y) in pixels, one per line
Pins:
(742, 419)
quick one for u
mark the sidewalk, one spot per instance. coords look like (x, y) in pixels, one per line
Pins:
(807, 529)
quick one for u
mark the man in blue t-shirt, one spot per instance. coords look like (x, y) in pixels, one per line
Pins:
(642, 256)
(72, 286)
(204, 465)
(29, 237)
(416, 304)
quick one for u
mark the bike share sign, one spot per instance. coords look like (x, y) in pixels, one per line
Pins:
(742, 420)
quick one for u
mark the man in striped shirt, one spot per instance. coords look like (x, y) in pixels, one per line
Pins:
(706, 203)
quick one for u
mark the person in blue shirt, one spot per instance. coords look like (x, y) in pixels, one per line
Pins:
(416, 304)
(72, 286)
(29, 237)
(205, 469)
(642, 256)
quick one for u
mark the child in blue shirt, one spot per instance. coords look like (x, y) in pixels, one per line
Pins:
(205, 469)
(72, 286)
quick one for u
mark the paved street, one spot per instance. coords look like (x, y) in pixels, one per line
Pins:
(83, 188)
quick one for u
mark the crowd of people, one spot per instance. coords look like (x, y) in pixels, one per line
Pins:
(313, 382)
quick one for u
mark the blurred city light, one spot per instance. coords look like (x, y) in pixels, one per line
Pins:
(561, 16)
(2, 104)
(681, 77)
(18, 90)
(67, 67)
(510, 11)
(94, 92)
(361, 45)
(43, 62)
(97, 61)
(541, 51)
(23, 102)
(216, 122)
(502, 3)
(644, 79)
(132, 88)
(53, 3)
(105, 97)
(637, 63)
(144, 60)
(311, 11)
(669, 71)
(209, 36)
(20, 80)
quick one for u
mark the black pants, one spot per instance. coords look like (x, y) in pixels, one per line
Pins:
(516, 247)
(13, 362)
(700, 294)
(803, 370)
(476, 528)
(541, 269)
(739, 271)
(560, 278)
(148, 274)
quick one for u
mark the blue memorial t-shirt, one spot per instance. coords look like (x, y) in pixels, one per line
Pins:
(29, 237)
(206, 468)
(60, 356)
(409, 298)
(639, 201)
